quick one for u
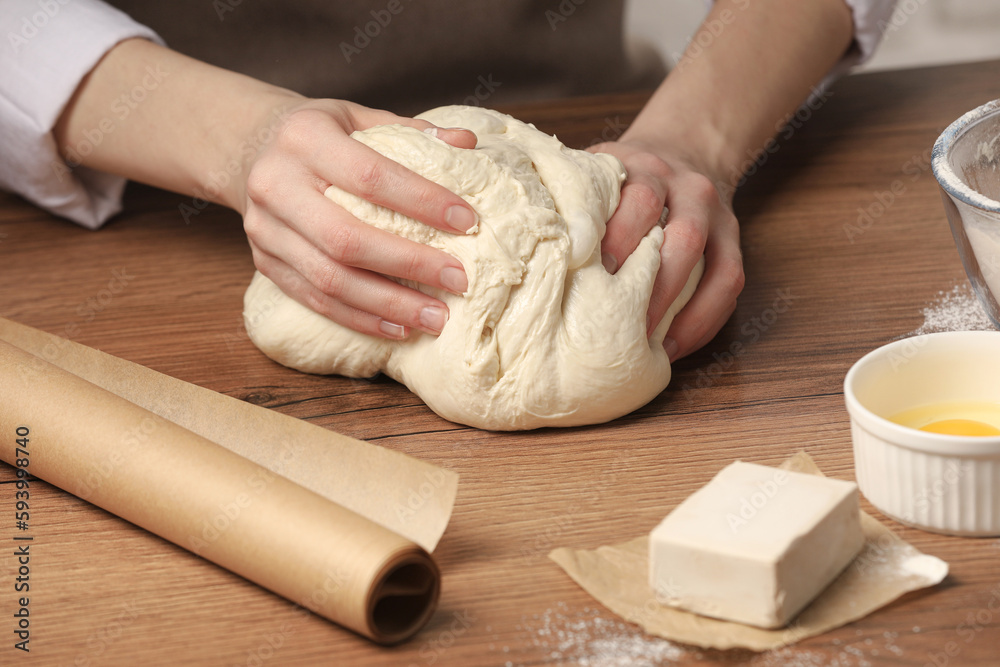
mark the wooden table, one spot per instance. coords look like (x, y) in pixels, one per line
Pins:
(166, 294)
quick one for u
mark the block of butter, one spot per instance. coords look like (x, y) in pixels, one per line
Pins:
(755, 545)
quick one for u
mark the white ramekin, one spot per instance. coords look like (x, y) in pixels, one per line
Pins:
(943, 483)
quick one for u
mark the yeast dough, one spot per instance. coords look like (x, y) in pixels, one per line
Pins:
(545, 336)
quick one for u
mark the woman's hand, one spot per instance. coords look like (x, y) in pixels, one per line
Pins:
(327, 259)
(748, 67)
(699, 221)
(315, 251)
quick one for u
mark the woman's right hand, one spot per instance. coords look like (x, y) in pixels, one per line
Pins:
(325, 258)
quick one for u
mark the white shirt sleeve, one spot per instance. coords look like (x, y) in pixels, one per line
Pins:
(871, 17)
(47, 48)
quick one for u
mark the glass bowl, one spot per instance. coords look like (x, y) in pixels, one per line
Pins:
(966, 164)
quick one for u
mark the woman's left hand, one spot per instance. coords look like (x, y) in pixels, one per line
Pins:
(699, 221)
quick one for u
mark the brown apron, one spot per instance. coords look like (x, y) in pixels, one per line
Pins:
(410, 55)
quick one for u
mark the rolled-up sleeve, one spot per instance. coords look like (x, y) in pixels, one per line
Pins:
(871, 17)
(48, 47)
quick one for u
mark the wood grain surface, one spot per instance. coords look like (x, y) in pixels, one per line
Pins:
(822, 290)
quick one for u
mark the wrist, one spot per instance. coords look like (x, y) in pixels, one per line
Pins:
(703, 149)
(727, 97)
(195, 129)
(223, 178)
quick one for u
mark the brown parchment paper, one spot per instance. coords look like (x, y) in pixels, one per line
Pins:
(219, 501)
(887, 567)
(408, 496)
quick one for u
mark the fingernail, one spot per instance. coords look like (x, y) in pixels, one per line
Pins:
(609, 261)
(454, 280)
(670, 345)
(392, 330)
(433, 318)
(460, 218)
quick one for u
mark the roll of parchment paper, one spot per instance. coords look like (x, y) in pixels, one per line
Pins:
(231, 510)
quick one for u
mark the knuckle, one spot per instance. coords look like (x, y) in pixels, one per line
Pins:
(328, 281)
(259, 184)
(261, 260)
(398, 308)
(427, 199)
(702, 188)
(298, 132)
(317, 302)
(358, 320)
(253, 226)
(728, 275)
(647, 203)
(733, 275)
(654, 165)
(344, 243)
(368, 178)
(411, 266)
(690, 239)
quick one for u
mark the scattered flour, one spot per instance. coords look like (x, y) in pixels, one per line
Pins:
(955, 310)
(867, 652)
(588, 639)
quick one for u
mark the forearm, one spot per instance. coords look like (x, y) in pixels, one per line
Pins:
(749, 66)
(161, 118)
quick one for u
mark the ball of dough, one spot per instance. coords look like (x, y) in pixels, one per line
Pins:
(545, 336)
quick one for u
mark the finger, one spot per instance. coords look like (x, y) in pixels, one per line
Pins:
(359, 299)
(334, 236)
(360, 170)
(641, 207)
(689, 332)
(456, 136)
(715, 299)
(293, 285)
(382, 181)
(684, 239)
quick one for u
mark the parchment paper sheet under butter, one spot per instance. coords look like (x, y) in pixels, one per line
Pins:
(887, 567)
(170, 456)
